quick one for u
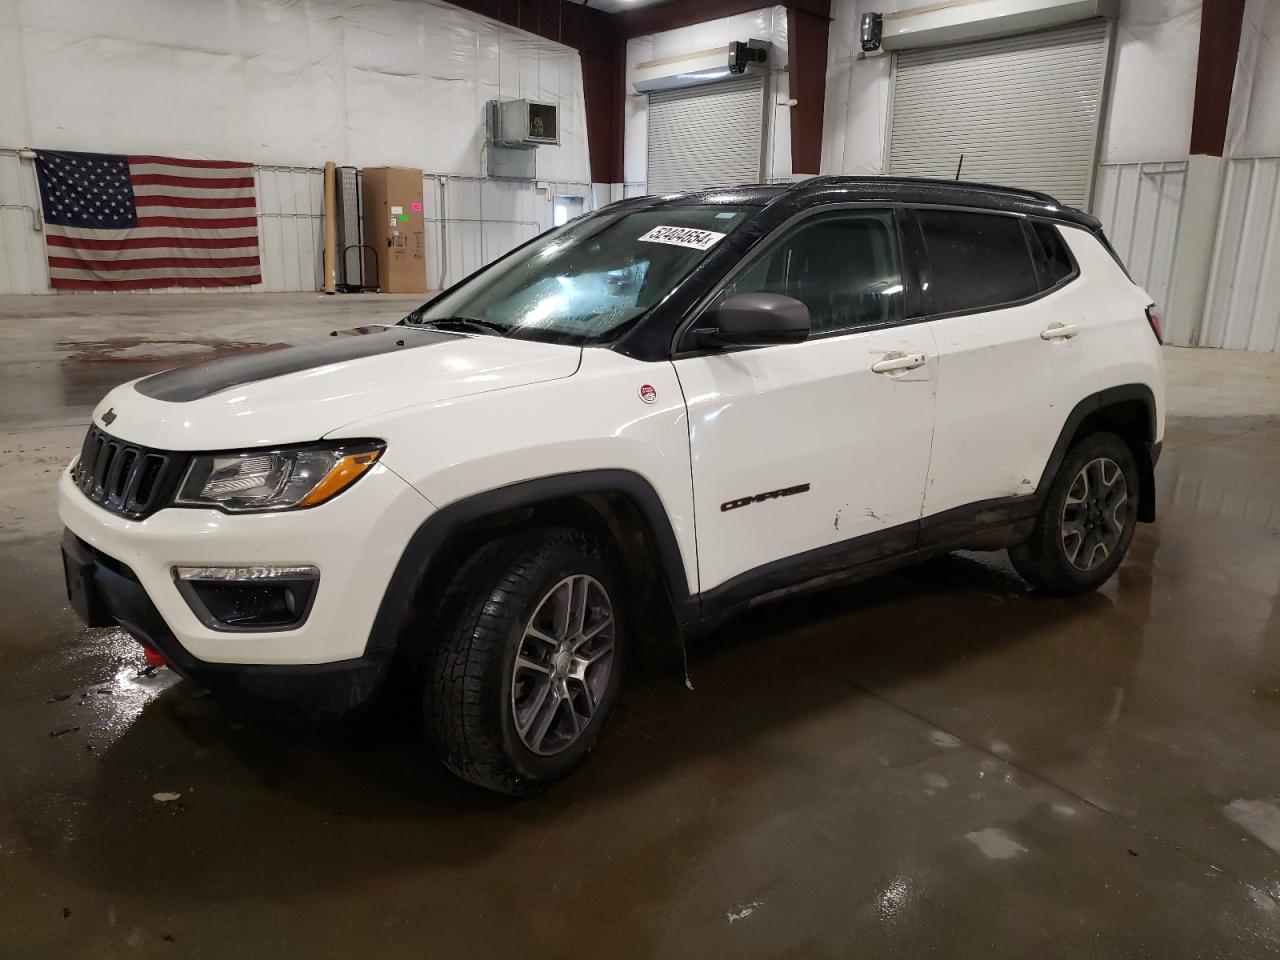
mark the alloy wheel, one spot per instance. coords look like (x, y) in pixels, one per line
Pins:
(563, 665)
(1094, 514)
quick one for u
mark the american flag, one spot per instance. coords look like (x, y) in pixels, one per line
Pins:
(128, 223)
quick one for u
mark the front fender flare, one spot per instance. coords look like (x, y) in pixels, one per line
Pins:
(411, 572)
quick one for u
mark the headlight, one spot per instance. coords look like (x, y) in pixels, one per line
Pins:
(302, 476)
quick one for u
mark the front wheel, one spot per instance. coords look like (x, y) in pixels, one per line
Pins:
(528, 659)
(1087, 520)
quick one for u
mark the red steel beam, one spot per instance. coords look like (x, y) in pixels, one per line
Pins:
(601, 46)
(1215, 72)
(600, 39)
(808, 27)
(685, 13)
(604, 87)
(807, 33)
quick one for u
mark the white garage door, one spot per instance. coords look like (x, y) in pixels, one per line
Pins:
(706, 136)
(1022, 110)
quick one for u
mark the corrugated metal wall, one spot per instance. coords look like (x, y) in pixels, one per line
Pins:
(23, 268)
(1242, 307)
(291, 228)
(475, 220)
(470, 221)
(1138, 204)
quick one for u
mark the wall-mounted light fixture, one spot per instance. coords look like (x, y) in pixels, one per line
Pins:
(743, 53)
(872, 24)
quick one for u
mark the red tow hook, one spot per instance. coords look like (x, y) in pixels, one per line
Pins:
(155, 658)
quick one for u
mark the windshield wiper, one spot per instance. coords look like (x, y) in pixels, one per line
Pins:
(463, 323)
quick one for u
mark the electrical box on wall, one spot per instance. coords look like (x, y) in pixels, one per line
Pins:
(515, 129)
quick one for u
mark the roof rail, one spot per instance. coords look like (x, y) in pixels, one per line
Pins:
(962, 185)
(812, 181)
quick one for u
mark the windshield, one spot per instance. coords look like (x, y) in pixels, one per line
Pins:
(587, 281)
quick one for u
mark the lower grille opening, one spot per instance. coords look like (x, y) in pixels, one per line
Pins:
(274, 605)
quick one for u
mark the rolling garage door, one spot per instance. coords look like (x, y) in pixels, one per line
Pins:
(1023, 110)
(706, 136)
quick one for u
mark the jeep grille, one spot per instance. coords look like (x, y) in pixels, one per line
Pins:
(125, 478)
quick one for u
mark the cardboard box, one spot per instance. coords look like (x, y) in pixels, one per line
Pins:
(395, 226)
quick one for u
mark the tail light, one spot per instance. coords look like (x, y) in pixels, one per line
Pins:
(1153, 318)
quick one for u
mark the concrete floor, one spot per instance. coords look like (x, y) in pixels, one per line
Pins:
(935, 762)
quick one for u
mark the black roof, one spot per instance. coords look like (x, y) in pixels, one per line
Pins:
(889, 189)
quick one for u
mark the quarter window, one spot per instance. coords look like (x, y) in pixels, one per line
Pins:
(844, 267)
(1054, 262)
(976, 260)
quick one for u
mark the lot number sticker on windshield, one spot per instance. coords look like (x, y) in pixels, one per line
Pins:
(683, 237)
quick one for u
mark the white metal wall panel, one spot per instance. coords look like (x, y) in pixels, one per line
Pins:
(1139, 204)
(1022, 110)
(270, 232)
(23, 268)
(472, 221)
(706, 136)
(373, 82)
(291, 227)
(1242, 307)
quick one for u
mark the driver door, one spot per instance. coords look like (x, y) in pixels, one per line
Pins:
(810, 457)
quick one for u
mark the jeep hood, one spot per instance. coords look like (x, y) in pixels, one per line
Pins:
(302, 393)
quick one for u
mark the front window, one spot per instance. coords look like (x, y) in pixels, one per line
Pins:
(587, 281)
(843, 266)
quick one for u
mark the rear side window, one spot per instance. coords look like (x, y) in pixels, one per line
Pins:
(1053, 260)
(977, 260)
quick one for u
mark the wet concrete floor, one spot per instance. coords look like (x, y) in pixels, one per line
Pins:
(933, 763)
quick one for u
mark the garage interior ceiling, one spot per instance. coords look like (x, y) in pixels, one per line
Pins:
(618, 6)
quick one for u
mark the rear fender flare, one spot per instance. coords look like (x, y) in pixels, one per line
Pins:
(1146, 453)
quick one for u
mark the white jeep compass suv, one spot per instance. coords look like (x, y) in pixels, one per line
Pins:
(619, 434)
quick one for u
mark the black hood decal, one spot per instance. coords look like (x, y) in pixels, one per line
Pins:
(201, 380)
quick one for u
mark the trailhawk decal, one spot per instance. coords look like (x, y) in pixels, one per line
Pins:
(683, 237)
(762, 497)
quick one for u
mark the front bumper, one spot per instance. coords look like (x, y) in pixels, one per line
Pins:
(355, 540)
(105, 592)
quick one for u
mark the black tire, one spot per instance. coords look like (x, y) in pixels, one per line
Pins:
(470, 670)
(1044, 559)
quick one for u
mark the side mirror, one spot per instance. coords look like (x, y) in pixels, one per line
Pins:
(756, 319)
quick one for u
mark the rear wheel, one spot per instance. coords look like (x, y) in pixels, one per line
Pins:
(1087, 520)
(529, 650)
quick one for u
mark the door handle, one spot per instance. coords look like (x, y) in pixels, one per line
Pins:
(1059, 331)
(891, 363)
